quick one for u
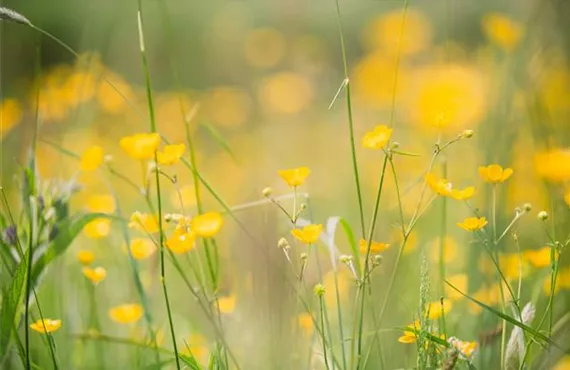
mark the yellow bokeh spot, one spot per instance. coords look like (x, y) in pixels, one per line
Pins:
(264, 47)
(286, 93)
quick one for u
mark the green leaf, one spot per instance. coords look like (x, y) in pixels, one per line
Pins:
(353, 244)
(11, 303)
(219, 139)
(68, 230)
(509, 319)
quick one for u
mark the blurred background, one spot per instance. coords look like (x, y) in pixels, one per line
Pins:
(260, 76)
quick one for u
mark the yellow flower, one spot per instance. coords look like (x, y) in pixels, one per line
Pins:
(144, 222)
(181, 241)
(466, 349)
(171, 154)
(227, 304)
(437, 309)
(410, 335)
(96, 275)
(295, 176)
(473, 223)
(207, 224)
(503, 31)
(98, 228)
(305, 322)
(494, 173)
(85, 257)
(377, 138)
(375, 247)
(461, 282)
(142, 248)
(46, 326)
(126, 313)
(444, 187)
(463, 194)
(141, 146)
(308, 234)
(10, 116)
(539, 258)
(553, 165)
(91, 158)
(112, 98)
(511, 266)
(101, 203)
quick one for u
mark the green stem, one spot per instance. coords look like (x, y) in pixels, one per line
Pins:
(350, 120)
(367, 257)
(323, 336)
(442, 233)
(157, 180)
(340, 322)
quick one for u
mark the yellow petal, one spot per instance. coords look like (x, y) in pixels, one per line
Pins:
(207, 224)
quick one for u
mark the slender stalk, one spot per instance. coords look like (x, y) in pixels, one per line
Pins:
(442, 232)
(157, 181)
(340, 322)
(323, 337)
(350, 120)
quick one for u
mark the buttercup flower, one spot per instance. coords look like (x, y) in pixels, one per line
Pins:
(207, 224)
(308, 234)
(85, 257)
(227, 304)
(466, 349)
(410, 335)
(437, 309)
(126, 313)
(98, 228)
(539, 258)
(463, 194)
(102, 203)
(91, 158)
(142, 248)
(46, 326)
(295, 176)
(375, 247)
(377, 138)
(503, 31)
(444, 187)
(96, 275)
(170, 155)
(141, 146)
(473, 223)
(182, 241)
(494, 173)
(144, 222)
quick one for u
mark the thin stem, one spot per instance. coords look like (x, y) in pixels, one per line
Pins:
(442, 233)
(350, 120)
(340, 322)
(323, 337)
(157, 180)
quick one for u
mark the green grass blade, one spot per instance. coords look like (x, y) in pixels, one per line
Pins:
(217, 136)
(509, 319)
(353, 244)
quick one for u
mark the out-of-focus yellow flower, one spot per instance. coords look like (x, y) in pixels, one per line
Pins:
(140, 146)
(502, 31)
(46, 326)
(555, 88)
(410, 336)
(375, 247)
(449, 250)
(91, 158)
(308, 234)
(305, 322)
(466, 349)
(494, 173)
(207, 225)
(181, 241)
(98, 228)
(264, 47)
(539, 258)
(444, 187)
(372, 68)
(101, 203)
(142, 248)
(95, 275)
(461, 282)
(377, 138)
(446, 97)
(227, 106)
(112, 98)
(295, 176)
(198, 346)
(385, 32)
(144, 222)
(437, 309)
(170, 155)
(463, 194)
(79, 87)
(512, 266)
(286, 93)
(127, 313)
(473, 223)
(227, 304)
(10, 116)
(553, 165)
(85, 257)
(562, 364)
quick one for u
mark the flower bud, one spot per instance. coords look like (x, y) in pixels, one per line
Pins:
(345, 258)
(395, 145)
(283, 244)
(319, 290)
(527, 207)
(304, 256)
(266, 191)
(467, 134)
(377, 260)
(542, 215)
